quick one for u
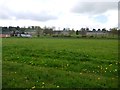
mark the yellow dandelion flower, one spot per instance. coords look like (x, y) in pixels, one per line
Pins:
(43, 83)
(58, 86)
(67, 64)
(33, 87)
(110, 65)
(42, 86)
(112, 78)
(98, 78)
(80, 73)
(115, 69)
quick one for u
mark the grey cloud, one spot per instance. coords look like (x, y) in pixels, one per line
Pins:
(42, 16)
(6, 13)
(94, 7)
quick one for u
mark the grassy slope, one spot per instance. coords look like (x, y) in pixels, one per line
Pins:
(59, 63)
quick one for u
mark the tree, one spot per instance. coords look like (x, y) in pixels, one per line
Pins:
(77, 32)
(87, 29)
(104, 30)
(64, 29)
(48, 31)
(94, 30)
(83, 32)
(38, 30)
(113, 31)
(71, 32)
(99, 30)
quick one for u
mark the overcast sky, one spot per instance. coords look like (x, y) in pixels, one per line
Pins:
(60, 13)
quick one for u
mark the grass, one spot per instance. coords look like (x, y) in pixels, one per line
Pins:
(59, 63)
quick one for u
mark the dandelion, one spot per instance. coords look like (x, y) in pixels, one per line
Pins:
(33, 87)
(80, 73)
(110, 65)
(43, 83)
(42, 86)
(58, 86)
(67, 65)
(112, 78)
(98, 78)
(115, 69)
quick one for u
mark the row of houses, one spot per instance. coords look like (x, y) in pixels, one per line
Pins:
(8, 32)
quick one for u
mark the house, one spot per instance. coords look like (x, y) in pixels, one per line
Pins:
(95, 33)
(57, 32)
(65, 32)
(4, 32)
(60, 32)
(30, 32)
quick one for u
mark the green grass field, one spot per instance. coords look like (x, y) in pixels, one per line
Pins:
(59, 63)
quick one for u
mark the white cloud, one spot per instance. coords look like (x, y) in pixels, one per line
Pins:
(58, 13)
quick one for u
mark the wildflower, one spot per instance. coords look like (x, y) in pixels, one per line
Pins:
(80, 73)
(43, 83)
(106, 68)
(58, 86)
(33, 87)
(98, 78)
(42, 86)
(112, 78)
(67, 65)
(115, 69)
(110, 65)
